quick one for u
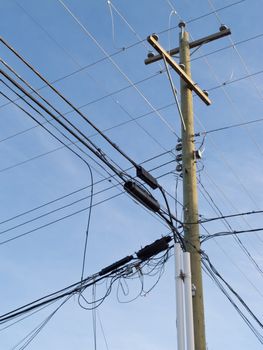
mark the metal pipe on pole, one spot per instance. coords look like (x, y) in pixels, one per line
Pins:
(179, 286)
(188, 296)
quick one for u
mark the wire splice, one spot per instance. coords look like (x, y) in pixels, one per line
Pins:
(155, 248)
(144, 175)
(142, 196)
(115, 265)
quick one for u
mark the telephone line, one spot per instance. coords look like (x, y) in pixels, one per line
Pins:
(78, 212)
(134, 44)
(61, 207)
(78, 190)
(151, 112)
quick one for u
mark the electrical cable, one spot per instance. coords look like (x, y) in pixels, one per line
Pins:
(61, 207)
(76, 62)
(231, 233)
(132, 45)
(231, 216)
(78, 190)
(31, 335)
(114, 273)
(219, 285)
(96, 151)
(236, 238)
(48, 103)
(117, 67)
(148, 113)
(70, 215)
(75, 108)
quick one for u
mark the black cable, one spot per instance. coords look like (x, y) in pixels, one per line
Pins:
(231, 233)
(159, 109)
(236, 238)
(231, 216)
(66, 216)
(220, 286)
(31, 335)
(96, 151)
(109, 178)
(62, 207)
(93, 148)
(233, 292)
(64, 99)
(176, 234)
(140, 41)
(80, 287)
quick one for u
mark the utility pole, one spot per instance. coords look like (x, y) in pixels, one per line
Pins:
(190, 196)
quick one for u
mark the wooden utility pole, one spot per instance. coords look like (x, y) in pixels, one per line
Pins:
(190, 197)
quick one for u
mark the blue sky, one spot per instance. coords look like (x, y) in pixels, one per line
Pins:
(50, 258)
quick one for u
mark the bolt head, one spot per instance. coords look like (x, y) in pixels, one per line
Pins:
(155, 36)
(182, 66)
(223, 27)
(150, 54)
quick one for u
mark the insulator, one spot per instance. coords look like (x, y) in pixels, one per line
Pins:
(179, 158)
(179, 147)
(179, 167)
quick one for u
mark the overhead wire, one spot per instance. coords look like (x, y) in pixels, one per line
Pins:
(230, 100)
(96, 151)
(63, 98)
(76, 132)
(252, 212)
(236, 238)
(82, 139)
(234, 207)
(230, 233)
(31, 335)
(102, 86)
(245, 250)
(145, 114)
(134, 44)
(215, 277)
(146, 100)
(68, 216)
(108, 179)
(112, 274)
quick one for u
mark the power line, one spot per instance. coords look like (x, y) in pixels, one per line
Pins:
(203, 221)
(151, 112)
(231, 233)
(66, 216)
(125, 48)
(49, 104)
(216, 277)
(85, 141)
(102, 86)
(237, 239)
(108, 179)
(114, 271)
